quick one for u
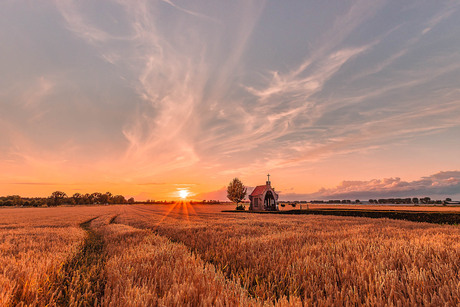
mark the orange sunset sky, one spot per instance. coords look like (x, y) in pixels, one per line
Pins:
(335, 99)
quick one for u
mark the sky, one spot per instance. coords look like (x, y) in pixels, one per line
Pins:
(335, 99)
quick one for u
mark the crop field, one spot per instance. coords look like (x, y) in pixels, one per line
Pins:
(175, 255)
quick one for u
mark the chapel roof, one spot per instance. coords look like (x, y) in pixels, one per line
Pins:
(259, 190)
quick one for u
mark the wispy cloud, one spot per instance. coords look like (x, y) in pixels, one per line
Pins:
(178, 83)
(38, 92)
(357, 119)
(445, 13)
(196, 14)
(78, 25)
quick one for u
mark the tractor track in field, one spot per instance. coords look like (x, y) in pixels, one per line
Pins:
(82, 281)
(113, 219)
(79, 281)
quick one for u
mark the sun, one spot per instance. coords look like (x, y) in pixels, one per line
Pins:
(183, 193)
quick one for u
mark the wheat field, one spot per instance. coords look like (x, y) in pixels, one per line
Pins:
(175, 255)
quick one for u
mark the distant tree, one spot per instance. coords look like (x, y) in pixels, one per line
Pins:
(131, 200)
(118, 199)
(415, 200)
(16, 200)
(85, 199)
(57, 198)
(425, 200)
(448, 199)
(236, 192)
(357, 201)
(89, 198)
(96, 198)
(78, 198)
(105, 198)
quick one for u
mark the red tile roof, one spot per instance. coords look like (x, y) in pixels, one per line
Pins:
(259, 190)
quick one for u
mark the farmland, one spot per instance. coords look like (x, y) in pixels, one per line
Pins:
(181, 254)
(431, 214)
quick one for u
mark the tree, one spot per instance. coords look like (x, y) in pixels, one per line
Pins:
(57, 198)
(96, 198)
(425, 200)
(119, 199)
(105, 198)
(77, 197)
(236, 192)
(16, 200)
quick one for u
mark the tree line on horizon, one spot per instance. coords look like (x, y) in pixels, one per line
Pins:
(380, 201)
(236, 192)
(58, 198)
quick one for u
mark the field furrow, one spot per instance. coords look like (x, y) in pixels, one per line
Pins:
(81, 281)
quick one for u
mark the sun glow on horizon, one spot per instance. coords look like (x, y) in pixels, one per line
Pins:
(183, 194)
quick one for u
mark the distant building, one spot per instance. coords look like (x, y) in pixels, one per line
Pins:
(264, 198)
